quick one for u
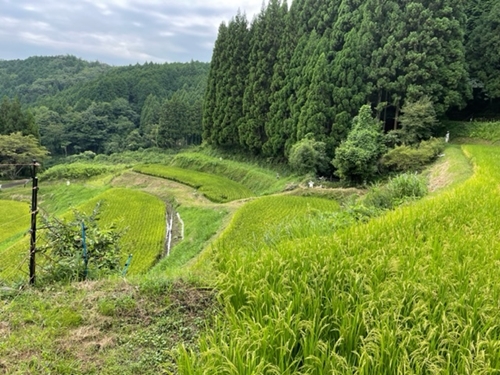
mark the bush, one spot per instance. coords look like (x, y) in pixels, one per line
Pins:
(399, 189)
(407, 158)
(64, 248)
(357, 157)
(418, 118)
(75, 171)
(308, 156)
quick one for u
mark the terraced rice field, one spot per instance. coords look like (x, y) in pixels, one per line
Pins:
(142, 218)
(415, 291)
(217, 189)
(14, 241)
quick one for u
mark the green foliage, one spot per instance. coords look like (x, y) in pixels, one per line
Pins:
(403, 187)
(477, 130)
(408, 158)
(418, 119)
(309, 156)
(16, 150)
(13, 119)
(215, 188)
(64, 248)
(257, 179)
(483, 41)
(76, 171)
(40, 77)
(356, 159)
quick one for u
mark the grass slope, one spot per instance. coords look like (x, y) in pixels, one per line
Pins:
(216, 188)
(415, 291)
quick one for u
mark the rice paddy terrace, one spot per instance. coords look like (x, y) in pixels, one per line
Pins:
(414, 290)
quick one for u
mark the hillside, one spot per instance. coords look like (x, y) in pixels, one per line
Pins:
(80, 106)
(39, 77)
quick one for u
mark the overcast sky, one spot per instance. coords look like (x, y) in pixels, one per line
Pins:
(117, 32)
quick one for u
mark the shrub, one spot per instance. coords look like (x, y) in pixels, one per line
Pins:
(309, 156)
(357, 157)
(418, 118)
(64, 247)
(404, 187)
(76, 171)
(407, 158)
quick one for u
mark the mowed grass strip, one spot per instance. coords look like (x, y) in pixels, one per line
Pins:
(142, 219)
(414, 291)
(216, 188)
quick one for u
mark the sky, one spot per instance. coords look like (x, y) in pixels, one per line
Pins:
(116, 32)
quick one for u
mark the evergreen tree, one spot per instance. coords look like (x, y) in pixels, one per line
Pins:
(265, 42)
(281, 89)
(235, 74)
(483, 45)
(210, 128)
(315, 116)
(150, 116)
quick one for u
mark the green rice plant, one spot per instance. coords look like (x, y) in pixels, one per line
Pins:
(414, 291)
(215, 188)
(14, 242)
(259, 180)
(14, 219)
(141, 217)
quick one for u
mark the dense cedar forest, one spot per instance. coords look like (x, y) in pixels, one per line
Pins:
(285, 85)
(74, 105)
(305, 70)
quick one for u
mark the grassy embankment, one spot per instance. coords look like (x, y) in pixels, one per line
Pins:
(413, 291)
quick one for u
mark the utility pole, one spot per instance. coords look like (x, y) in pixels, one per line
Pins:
(34, 212)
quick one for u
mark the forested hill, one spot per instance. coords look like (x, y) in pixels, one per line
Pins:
(81, 106)
(305, 70)
(41, 76)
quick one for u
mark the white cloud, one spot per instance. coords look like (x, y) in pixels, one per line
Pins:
(117, 31)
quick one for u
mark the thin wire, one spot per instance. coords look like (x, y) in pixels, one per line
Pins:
(14, 220)
(15, 269)
(14, 244)
(20, 291)
(18, 165)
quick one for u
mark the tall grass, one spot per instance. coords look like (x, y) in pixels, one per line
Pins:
(482, 131)
(414, 291)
